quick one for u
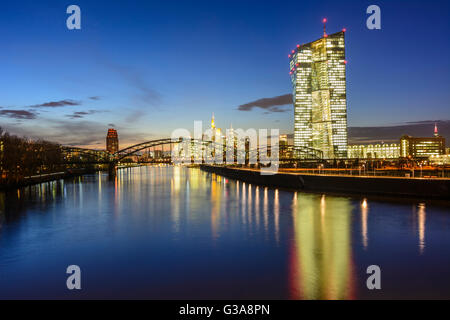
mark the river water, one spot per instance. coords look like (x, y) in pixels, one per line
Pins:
(174, 232)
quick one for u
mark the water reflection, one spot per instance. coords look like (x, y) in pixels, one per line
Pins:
(421, 215)
(14, 204)
(321, 265)
(276, 215)
(249, 202)
(216, 195)
(364, 211)
(191, 234)
(257, 204)
(266, 210)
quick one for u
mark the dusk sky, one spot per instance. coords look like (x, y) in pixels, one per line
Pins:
(149, 67)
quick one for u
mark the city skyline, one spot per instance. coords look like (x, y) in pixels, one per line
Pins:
(207, 152)
(89, 82)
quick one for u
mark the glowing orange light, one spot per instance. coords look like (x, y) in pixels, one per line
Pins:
(364, 204)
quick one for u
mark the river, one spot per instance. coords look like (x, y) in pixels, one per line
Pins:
(173, 232)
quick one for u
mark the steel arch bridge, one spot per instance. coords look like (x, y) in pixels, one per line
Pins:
(128, 151)
(102, 156)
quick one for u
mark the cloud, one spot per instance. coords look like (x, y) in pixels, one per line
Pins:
(363, 135)
(81, 114)
(95, 98)
(268, 104)
(147, 94)
(32, 114)
(111, 125)
(82, 133)
(18, 114)
(56, 104)
(423, 122)
(135, 116)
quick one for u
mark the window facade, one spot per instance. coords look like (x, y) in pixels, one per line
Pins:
(422, 147)
(374, 151)
(319, 97)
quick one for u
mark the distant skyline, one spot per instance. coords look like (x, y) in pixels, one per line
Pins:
(149, 67)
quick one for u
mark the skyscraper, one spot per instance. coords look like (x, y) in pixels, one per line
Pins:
(112, 141)
(317, 72)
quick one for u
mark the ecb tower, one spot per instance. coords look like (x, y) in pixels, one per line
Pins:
(317, 72)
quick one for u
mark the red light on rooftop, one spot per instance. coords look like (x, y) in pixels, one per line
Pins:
(324, 20)
(345, 61)
(289, 55)
(290, 72)
(325, 36)
(297, 64)
(344, 30)
(298, 46)
(293, 51)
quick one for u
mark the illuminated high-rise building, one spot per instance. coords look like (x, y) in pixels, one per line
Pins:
(112, 141)
(213, 124)
(216, 133)
(317, 72)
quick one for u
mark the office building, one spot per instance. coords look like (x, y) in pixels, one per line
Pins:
(414, 147)
(112, 141)
(374, 151)
(318, 77)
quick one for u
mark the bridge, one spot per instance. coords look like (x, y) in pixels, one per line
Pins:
(75, 155)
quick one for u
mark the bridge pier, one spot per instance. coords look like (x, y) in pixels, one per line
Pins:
(112, 170)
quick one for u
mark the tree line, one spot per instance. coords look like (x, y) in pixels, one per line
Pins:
(21, 157)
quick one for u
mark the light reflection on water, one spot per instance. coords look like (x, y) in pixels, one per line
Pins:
(322, 265)
(174, 232)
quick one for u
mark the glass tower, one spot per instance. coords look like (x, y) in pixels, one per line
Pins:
(317, 72)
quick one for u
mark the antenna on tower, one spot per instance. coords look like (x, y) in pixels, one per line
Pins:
(435, 130)
(324, 21)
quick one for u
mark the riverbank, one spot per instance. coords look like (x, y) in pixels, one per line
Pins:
(32, 180)
(383, 186)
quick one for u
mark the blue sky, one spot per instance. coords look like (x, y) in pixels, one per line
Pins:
(149, 67)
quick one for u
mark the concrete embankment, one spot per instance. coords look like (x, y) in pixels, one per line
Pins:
(385, 186)
(27, 181)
